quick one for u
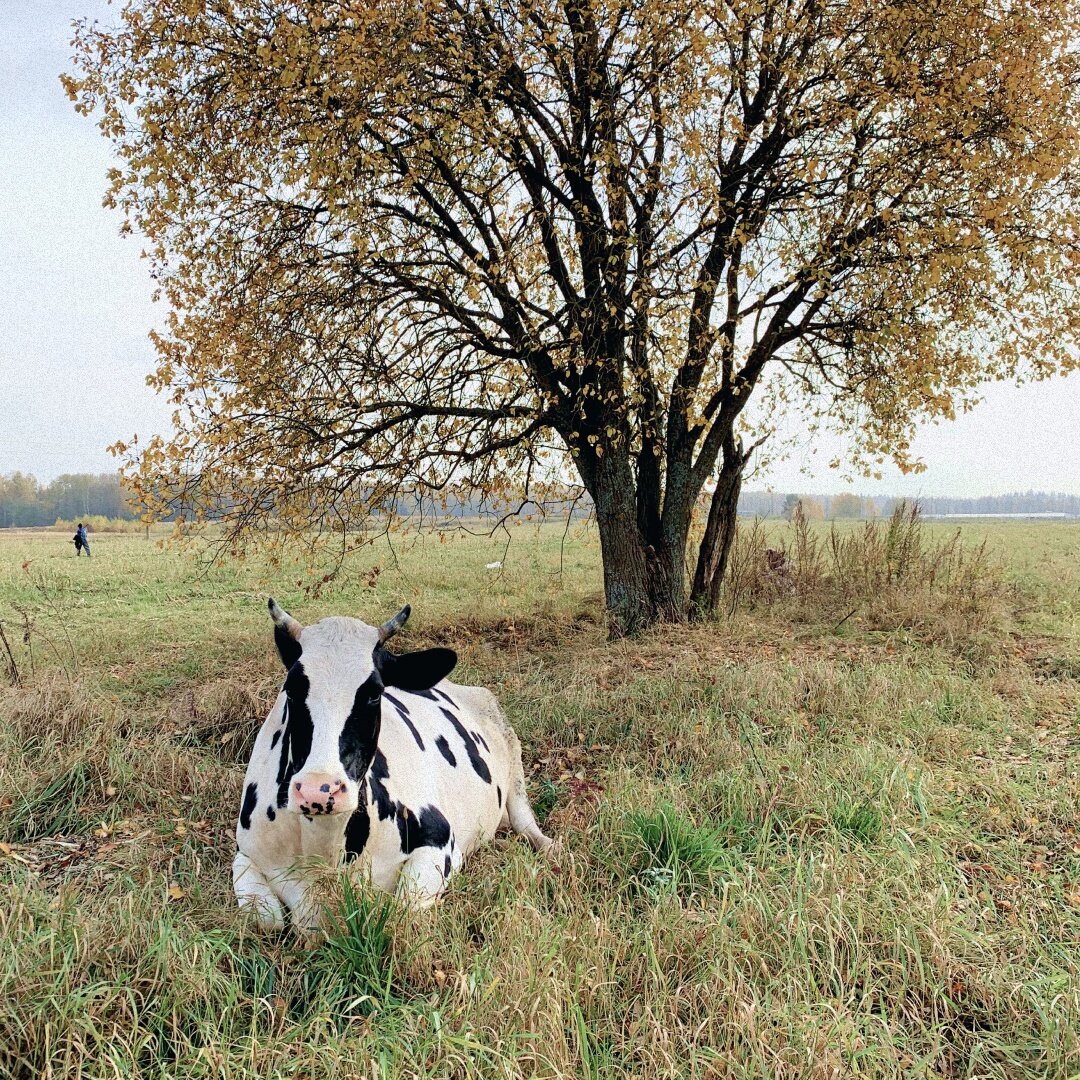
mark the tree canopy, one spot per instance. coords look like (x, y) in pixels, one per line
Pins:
(464, 241)
(849, 505)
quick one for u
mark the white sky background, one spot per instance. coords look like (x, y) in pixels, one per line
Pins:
(75, 311)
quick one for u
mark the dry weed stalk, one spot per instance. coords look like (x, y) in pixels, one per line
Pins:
(895, 573)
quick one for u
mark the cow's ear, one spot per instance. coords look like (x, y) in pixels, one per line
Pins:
(287, 632)
(416, 670)
(288, 647)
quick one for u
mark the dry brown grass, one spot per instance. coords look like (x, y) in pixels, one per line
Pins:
(790, 848)
(897, 576)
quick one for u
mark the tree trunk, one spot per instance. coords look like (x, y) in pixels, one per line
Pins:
(643, 580)
(719, 533)
(626, 569)
(671, 541)
(667, 580)
(644, 553)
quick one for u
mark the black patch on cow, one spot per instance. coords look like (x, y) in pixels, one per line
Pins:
(412, 727)
(360, 735)
(296, 744)
(274, 740)
(251, 797)
(444, 695)
(380, 771)
(444, 749)
(357, 831)
(475, 760)
(287, 646)
(399, 705)
(498, 794)
(424, 694)
(446, 867)
(270, 813)
(429, 828)
(296, 684)
(403, 712)
(481, 740)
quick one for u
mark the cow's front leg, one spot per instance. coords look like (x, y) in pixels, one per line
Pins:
(308, 883)
(254, 894)
(424, 875)
(302, 895)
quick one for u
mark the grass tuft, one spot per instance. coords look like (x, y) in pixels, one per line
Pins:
(358, 953)
(543, 798)
(859, 820)
(900, 574)
(668, 853)
(53, 808)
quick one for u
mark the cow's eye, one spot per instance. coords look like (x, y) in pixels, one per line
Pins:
(374, 699)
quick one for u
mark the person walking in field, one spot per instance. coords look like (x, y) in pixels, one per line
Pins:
(81, 541)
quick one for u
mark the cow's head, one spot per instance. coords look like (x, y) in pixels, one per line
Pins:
(337, 671)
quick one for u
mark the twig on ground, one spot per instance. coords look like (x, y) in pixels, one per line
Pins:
(13, 668)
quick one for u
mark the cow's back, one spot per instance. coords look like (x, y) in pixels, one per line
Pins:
(448, 748)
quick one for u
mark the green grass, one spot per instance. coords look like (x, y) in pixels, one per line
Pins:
(669, 853)
(794, 842)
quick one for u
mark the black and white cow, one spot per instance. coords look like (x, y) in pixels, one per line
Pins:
(376, 757)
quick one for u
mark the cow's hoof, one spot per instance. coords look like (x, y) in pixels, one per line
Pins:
(553, 852)
(544, 845)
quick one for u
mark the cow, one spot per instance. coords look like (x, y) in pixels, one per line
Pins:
(373, 757)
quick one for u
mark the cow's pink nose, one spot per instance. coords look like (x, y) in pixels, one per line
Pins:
(317, 793)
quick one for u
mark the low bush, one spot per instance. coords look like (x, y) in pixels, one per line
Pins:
(98, 523)
(892, 574)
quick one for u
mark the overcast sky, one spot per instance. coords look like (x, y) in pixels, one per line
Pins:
(75, 311)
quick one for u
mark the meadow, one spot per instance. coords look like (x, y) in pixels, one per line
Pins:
(831, 833)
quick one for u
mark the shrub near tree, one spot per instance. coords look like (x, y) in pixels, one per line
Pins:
(810, 509)
(412, 245)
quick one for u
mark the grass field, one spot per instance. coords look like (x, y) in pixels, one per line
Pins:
(831, 835)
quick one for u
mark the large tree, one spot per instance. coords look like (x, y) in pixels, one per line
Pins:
(412, 245)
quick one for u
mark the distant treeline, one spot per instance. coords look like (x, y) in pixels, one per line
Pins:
(772, 504)
(1027, 502)
(26, 503)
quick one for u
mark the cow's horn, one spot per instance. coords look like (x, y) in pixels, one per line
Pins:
(283, 619)
(392, 626)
